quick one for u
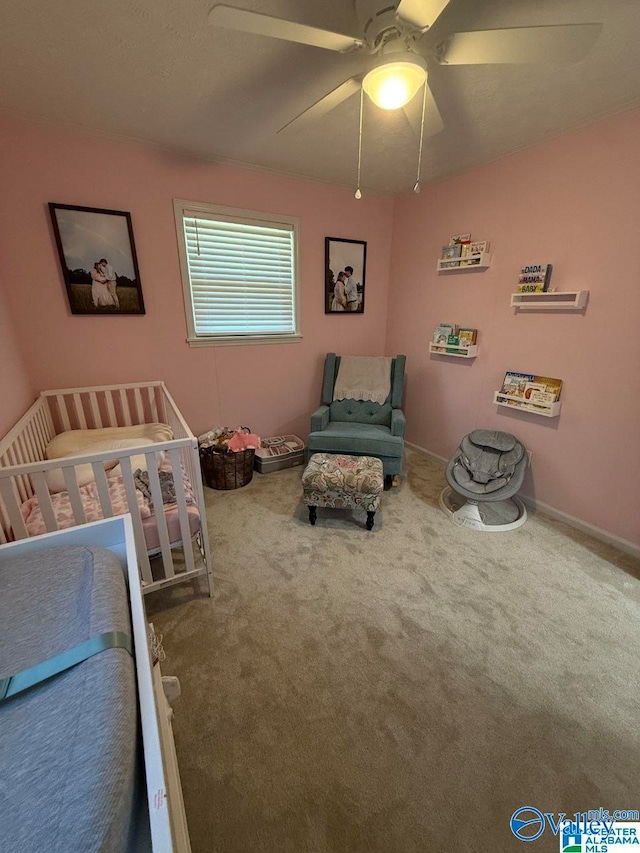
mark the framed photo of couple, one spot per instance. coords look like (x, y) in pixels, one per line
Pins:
(98, 259)
(345, 269)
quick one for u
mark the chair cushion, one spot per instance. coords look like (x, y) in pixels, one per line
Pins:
(361, 411)
(364, 439)
(486, 462)
(502, 441)
(343, 481)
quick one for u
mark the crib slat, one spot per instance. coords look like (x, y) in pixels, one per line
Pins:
(153, 406)
(126, 414)
(44, 499)
(137, 396)
(95, 410)
(47, 419)
(82, 421)
(13, 454)
(103, 489)
(113, 421)
(134, 509)
(158, 514)
(24, 456)
(75, 497)
(37, 444)
(12, 505)
(64, 413)
(183, 515)
(21, 446)
(30, 443)
(41, 439)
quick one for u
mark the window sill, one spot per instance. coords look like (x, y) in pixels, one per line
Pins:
(244, 341)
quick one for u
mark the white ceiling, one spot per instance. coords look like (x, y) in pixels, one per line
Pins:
(152, 69)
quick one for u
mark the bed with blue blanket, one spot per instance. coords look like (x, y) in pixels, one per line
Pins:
(70, 749)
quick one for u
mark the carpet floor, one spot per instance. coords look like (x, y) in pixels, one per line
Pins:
(399, 690)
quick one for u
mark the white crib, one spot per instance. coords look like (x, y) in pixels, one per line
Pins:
(23, 470)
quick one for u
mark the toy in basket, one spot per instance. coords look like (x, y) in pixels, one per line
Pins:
(226, 457)
(278, 452)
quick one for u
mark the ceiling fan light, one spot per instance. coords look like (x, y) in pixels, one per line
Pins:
(392, 85)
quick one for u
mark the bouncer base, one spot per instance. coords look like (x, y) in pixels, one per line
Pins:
(494, 517)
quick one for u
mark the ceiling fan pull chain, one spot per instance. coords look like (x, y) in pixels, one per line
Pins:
(416, 187)
(358, 190)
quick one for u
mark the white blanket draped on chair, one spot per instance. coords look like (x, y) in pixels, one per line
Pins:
(363, 378)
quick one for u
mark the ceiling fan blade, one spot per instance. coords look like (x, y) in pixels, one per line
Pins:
(557, 44)
(324, 105)
(421, 14)
(234, 18)
(433, 122)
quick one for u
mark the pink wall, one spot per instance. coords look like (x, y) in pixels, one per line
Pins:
(16, 391)
(271, 388)
(573, 202)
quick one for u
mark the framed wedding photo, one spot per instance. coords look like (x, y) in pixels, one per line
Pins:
(98, 259)
(344, 282)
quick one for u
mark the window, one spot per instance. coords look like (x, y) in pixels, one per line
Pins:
(239, 271)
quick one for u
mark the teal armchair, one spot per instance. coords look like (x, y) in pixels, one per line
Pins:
(360, 427)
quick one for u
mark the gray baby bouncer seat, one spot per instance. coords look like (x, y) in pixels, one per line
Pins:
(484, 476)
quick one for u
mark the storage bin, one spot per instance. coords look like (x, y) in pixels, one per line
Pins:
(223, 469)
(278, 452)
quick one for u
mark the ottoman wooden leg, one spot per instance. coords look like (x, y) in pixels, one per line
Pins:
(370, 516)
(312, 514)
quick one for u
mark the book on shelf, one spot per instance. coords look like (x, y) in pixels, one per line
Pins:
(441, 333)
(534, 278)
(472, 253)
(450, 256)
(459, 238)
(478, 247)
(453, 342)
(532, 392)
(467, 337)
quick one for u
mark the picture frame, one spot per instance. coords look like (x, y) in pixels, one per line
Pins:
(345, 265)
(98, 259)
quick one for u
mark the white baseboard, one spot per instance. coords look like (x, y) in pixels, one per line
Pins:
(539, 506)
(426, 452)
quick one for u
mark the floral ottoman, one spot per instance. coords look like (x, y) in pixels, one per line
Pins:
(343, 482)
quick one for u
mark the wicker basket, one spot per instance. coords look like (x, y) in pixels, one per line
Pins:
(226, 470)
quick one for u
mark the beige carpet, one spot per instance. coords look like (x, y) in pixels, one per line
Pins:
(400, 690)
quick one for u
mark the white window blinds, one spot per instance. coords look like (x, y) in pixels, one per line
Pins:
(241, 275)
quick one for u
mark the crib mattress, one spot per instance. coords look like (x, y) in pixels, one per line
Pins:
(63, 511)
(69, 746)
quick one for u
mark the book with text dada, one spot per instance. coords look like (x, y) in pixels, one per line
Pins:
(534, 278)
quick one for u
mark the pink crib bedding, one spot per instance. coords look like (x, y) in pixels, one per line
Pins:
(63, 511)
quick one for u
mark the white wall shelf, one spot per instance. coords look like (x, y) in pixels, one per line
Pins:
(460, 352)
(572, 300)
(480, 262)
(511, 402)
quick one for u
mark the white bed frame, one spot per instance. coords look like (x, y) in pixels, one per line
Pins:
(167, 818)
(23, 467)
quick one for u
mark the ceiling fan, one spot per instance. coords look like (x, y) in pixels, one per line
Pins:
(397, 55)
